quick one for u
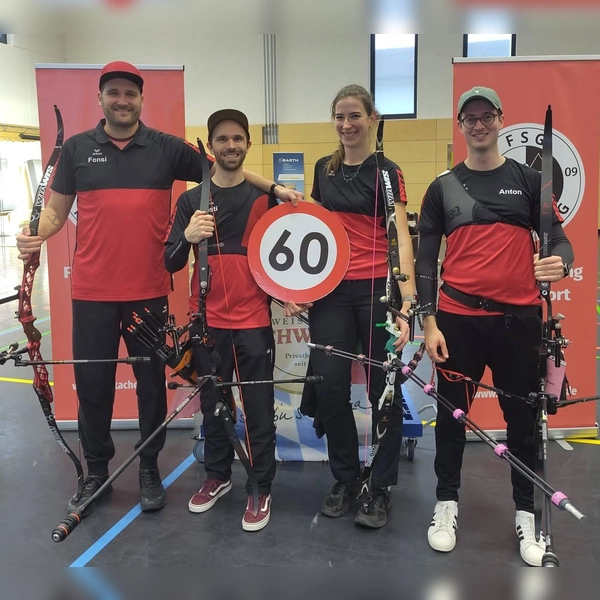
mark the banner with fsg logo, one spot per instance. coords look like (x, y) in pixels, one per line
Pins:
(526, 87)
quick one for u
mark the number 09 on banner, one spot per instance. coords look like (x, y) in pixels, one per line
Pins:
(298, 254)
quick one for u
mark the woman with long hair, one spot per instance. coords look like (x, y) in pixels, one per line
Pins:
(347, 183)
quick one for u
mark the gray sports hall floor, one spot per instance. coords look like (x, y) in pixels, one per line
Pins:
(36, 480)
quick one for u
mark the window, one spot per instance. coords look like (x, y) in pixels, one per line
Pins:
(394, 74)
(484, 45)
(3, 38)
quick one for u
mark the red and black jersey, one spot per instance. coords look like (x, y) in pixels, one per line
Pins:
(123, 209)
(488, 223)
(354, 194)
(235, 300)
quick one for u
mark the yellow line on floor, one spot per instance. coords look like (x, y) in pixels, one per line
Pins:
(581, 441)
(14, 380)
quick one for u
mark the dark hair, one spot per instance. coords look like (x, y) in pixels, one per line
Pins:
(349, 91)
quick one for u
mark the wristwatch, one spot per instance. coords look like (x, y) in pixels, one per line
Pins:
(272, 188)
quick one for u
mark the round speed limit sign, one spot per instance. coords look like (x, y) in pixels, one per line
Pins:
(298, 253)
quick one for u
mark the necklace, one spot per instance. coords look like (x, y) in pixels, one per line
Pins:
(349, 177)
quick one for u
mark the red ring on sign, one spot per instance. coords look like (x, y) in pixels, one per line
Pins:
(274, 289)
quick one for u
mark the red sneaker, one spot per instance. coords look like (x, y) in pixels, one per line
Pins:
(255, 523)
(211, 491)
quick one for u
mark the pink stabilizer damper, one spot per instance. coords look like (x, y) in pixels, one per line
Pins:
(458, 414)
(500, 449)
(557, 498)
(428, 388)
(406, 371)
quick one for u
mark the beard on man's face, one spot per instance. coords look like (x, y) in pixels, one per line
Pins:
(230, 164)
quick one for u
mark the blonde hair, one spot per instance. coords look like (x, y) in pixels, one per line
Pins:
(349, 91)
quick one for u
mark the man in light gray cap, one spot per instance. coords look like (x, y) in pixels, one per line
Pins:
(479, 93)
(488, 310)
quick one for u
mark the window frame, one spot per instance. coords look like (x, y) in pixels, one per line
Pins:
(412, 115)
(513, 45)
(4, 38)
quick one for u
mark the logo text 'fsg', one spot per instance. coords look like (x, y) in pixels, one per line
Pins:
(525, 137)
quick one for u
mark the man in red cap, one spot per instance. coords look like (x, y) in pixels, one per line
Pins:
(121, 173)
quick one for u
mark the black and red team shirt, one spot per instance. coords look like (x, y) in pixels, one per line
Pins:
(235, 301)
(123, 210)
(488, 257)
(359, 205)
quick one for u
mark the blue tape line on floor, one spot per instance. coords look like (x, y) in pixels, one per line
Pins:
(118, 527)
(94, 581)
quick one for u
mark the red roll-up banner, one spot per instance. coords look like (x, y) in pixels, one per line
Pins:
(74, 89)
(571, 85)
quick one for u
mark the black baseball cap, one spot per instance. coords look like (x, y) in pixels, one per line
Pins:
(227, 114)
(121, 69)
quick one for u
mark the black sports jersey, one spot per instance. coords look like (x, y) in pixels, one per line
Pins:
(235, 300)
(511, 191)
(491, 253)
(123, 209)
(352, 194)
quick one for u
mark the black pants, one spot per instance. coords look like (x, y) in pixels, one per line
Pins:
(97, 330)
(344, 319)
(255, 354)
(508, 346)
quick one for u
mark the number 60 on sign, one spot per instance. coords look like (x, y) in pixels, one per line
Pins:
(298, 254)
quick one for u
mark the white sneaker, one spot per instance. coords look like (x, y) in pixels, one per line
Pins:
(441, 535)
(531, 550)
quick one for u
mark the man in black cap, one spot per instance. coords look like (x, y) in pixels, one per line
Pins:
(486, 207)
(237, 312)
(121, 173)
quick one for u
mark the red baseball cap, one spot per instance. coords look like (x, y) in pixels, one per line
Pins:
(121, 69)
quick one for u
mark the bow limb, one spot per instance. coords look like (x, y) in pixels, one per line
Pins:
(546, 202)
(393, 255)
(25, 314)
(203, 266)
(386, 401)
(390, 210)
(395, 275)
(223, 408)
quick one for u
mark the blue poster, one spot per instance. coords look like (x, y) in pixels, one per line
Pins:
(288, 169)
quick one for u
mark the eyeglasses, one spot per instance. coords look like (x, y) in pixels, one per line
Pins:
(486, 120)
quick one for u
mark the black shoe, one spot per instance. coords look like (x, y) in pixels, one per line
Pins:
(91, 484)
(373, 512)
(337, 502)
(152, 490)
